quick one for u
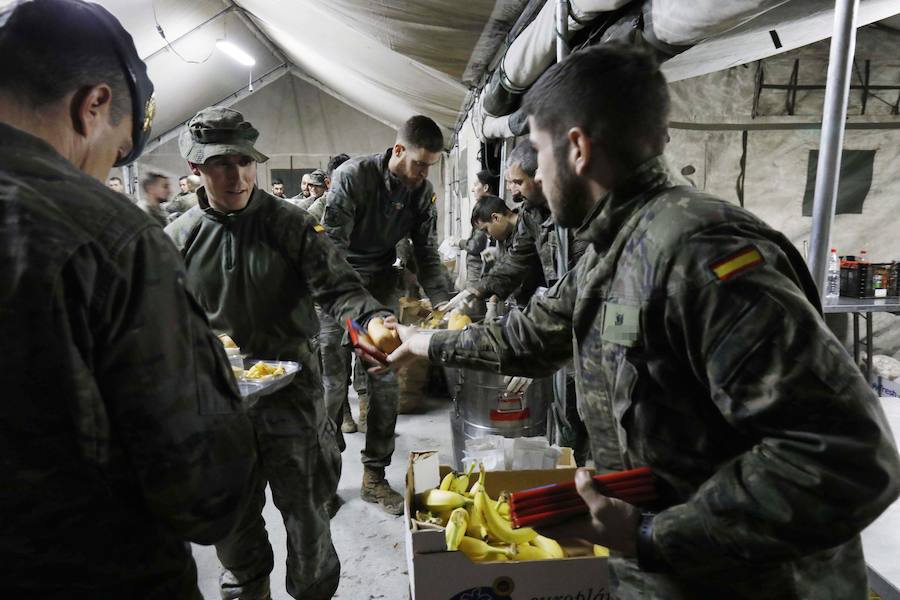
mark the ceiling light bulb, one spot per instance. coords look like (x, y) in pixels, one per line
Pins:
(235, 53)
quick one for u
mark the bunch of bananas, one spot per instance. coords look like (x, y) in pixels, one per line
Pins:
(479, 526)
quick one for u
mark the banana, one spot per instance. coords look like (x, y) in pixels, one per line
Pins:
(549, 545)
(475, 527)
(499, 527)
(479, 551)
(461, 482)
(475, 487)
(600, 551)
(456, 528)
(442, 500)
(447, 481)
(529, 552)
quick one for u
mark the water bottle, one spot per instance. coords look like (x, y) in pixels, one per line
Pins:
(833, 285)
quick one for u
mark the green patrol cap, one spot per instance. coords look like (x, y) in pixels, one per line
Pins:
(217, 131)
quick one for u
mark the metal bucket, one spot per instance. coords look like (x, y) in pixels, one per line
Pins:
(482, 407)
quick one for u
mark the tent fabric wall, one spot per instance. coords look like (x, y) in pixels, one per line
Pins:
(777, 160)
(299, 125)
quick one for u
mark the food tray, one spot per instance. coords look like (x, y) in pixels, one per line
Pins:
(253, 389)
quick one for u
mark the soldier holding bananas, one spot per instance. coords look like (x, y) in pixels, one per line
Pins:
(700, 352)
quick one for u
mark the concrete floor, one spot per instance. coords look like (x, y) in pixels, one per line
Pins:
(368, 541)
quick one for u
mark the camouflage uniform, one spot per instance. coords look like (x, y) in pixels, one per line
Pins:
(519, 269)
(368, 211)
(256, 273)
(121, 432)
(700, 351)
(317, 207)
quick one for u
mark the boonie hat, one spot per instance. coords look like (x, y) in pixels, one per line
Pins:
(217, 131)
(317, 177)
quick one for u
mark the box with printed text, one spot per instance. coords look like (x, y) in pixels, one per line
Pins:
(436, 574)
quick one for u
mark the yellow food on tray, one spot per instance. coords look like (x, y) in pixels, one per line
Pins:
(261, 369)
(458, 321)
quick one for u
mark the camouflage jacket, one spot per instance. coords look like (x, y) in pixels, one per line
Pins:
(475, 267)
(317, 207)
(519, 269)
(700, 351)
(121, 432)
(258, 271)
(368, 212)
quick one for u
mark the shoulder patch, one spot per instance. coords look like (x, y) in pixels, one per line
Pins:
(318, 228)
(433, 198)
(733, 265)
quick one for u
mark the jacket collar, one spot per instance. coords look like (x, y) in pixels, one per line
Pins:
(616, 206)
(253, 204)
(22, 144)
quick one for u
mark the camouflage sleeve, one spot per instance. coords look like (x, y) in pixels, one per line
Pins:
(517, 265)
(533, 343)
(335, 286)
(172, 397)
(431, 273)
(340, 209)
(819, 464)
(317, 209)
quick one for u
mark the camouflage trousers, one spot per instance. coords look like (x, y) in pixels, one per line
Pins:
(300, 461)
(382, 390)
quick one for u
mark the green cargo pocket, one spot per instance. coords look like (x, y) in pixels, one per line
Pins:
(328, 470)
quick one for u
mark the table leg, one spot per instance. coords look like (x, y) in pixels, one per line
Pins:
(869, 336)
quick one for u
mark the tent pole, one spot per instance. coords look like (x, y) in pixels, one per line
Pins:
(562, 251)
(840, 61)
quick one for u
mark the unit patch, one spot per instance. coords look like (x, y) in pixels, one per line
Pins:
(737, 263)
(318, 228)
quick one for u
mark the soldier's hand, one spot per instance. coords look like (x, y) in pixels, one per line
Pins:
(490, 254)
(611, 522)
(414, 347)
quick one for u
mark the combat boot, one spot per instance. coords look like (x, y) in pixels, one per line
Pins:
(363, 409)
(348, 425)
(375, 489)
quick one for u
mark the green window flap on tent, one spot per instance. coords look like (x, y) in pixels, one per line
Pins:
(853, 184)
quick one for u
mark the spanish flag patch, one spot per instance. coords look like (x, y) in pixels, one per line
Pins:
(737, 263)
(318, 228)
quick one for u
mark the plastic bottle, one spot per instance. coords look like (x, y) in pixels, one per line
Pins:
(833, 281)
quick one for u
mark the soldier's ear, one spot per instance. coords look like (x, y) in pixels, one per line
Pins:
(194, 168)
(399, 149)
(580, 150)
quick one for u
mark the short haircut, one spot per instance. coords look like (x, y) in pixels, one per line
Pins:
(150, 178)
(114, 178)
(525, 156)
(277, 181)
(490, 180)
(50, 64)
(485, 207)
(335, 162)
(421, 132)
(182, 178)
(615, 93)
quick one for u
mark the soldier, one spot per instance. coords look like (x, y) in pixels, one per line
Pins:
(519, 269)
(317, 208)
(155, 188)
(485, 184)
(700, 351)
(374, 202)
(115, 184)
(278, 188)
(316, 186)
(257, 264)
(121, 426)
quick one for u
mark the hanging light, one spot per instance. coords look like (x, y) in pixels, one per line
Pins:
(235, 53)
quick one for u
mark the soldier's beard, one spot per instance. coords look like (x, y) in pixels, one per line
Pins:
(569, 197)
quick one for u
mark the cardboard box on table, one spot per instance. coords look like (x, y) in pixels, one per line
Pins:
(436, 574)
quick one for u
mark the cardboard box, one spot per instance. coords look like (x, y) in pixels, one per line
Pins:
(436, 574)
(885, 387)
